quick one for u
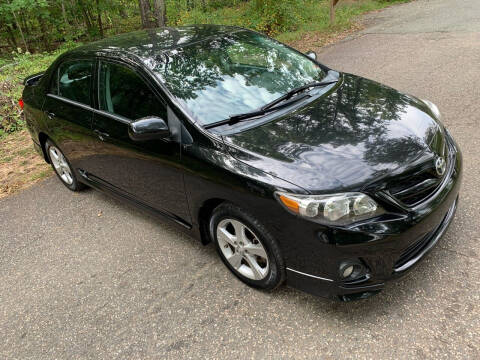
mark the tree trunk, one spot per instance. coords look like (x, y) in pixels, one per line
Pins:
(25, 26)
(86, 15)
(87, 19)
(90, 16)
(19, 28)
(160, 12)
(43, 27)
(333, 3)
(99, 18)
(64, 14)
(145, 11)
(73, 8)
(12, 37)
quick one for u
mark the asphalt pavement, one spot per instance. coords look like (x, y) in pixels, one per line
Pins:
(85, 276)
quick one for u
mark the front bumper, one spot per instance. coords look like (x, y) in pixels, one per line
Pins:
(368, 286)
(388, 249)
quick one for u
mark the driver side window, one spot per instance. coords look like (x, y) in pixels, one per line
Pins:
(122, 92)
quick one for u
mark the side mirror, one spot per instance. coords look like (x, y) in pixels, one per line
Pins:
(148, 128)
(311, 54)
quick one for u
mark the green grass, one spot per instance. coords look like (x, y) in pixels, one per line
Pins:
(6, 159)
(40, 175)
(313, 16)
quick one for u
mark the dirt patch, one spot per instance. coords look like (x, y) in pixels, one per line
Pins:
(315, 40)
(20, 165)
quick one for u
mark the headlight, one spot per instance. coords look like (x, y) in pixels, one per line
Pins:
(339, 209)
(434, 109)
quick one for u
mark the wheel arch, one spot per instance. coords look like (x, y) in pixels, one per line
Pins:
(42, 138)
(204, 213)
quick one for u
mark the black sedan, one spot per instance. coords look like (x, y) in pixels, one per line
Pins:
(296, 172)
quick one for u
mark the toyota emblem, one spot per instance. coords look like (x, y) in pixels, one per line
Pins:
(440, 165)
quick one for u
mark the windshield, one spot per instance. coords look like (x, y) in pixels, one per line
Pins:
(236, 73)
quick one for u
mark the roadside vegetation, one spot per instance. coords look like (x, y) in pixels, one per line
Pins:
(34, 32)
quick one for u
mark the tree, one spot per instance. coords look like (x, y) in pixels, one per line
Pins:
(333, 3)
(12, 9)
(152, 14)
(99, 18)
(160, 12)
(145, 13)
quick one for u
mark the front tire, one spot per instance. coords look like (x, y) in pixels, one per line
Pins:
(62, 167)
(246, 247)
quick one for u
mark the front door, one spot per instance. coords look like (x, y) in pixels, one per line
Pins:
(148, 171)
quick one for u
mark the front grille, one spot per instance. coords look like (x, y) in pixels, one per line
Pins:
(415, 188)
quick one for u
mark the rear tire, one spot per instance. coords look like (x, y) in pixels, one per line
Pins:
(246, 247)
(62, 167)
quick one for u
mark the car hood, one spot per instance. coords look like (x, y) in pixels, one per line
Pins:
(347, 138)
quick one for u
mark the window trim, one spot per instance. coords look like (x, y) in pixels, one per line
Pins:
(55, 74)
(69, 101)
(137, 71)
(86, 107)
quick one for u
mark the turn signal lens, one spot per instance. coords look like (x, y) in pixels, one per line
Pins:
(290, 203)
(342, 208)
(20, 103)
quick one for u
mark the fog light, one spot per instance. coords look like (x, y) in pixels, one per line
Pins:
(347, 271)
(351, 270)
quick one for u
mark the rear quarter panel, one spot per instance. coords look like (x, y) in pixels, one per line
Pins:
(33, 98)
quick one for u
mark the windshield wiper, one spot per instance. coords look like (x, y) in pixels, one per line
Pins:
(237, 118)
(297, 90)
(270, 106)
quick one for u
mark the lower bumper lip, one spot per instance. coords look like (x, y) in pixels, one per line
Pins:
(426, 244)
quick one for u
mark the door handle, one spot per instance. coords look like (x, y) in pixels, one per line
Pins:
(50, 115)
(101, 135)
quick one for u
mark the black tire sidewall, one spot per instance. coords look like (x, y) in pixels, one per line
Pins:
(75, 185)
(276, 273)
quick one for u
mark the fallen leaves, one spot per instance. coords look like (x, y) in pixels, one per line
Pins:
(20, 165)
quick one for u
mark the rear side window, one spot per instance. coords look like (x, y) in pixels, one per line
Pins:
(123, 92)
(73, 81)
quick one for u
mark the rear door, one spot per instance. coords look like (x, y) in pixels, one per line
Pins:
(150, 171)
(68, 108)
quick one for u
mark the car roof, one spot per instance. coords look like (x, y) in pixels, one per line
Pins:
(148, 43)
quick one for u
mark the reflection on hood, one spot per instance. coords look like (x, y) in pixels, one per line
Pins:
(345, 139)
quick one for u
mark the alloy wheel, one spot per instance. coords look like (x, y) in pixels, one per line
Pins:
(242, 249)
(61, 165)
